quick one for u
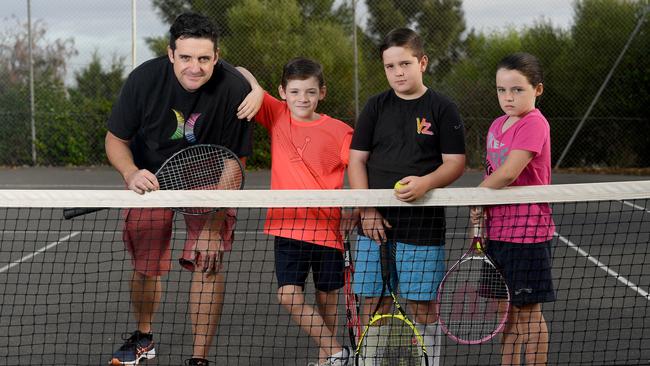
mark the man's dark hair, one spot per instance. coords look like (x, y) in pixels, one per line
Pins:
(403, 37)
(301, 68)
(193, 25)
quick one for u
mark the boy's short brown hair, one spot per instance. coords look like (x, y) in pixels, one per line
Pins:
(403, 37)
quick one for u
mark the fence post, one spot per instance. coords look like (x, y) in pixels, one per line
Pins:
(32, 108)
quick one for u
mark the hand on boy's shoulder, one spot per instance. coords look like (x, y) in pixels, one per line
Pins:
(251, 104)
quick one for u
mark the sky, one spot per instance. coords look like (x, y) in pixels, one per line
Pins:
(105, 26)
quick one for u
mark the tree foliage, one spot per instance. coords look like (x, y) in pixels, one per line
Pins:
(575, 64)
(263, 35)
(70, 122)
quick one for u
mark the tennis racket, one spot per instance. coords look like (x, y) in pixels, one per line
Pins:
(197, 167)
(473, 297)
(353, 324)
(390, 339)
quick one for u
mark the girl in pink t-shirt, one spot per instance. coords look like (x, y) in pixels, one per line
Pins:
(519, 236)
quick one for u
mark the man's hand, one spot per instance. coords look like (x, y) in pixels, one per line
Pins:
(209, 254)
(373, 224)
(141, 181)
(209, 245)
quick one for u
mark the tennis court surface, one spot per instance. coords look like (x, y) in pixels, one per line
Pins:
(64, 284)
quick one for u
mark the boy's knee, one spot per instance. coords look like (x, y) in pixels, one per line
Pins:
(289, 296)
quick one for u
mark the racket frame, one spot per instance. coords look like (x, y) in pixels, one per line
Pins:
(386, 261)
(71, 213)
(477, 251)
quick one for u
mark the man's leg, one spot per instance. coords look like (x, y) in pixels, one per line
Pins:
(206, 303)
(146, 237)
(145, 298)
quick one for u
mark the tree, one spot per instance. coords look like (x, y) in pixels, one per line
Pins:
(96, 91)
(49, 71)
(439, 22)
(600, 30)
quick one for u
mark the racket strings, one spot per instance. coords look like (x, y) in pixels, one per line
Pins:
(392, 342)
(470, 301)
(201, 167)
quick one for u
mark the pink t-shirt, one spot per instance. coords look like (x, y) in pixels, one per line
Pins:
(523, 223)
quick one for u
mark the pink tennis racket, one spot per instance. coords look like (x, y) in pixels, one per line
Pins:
(473, 297)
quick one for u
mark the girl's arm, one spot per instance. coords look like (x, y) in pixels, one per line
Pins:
(508, 171)
(253, 101)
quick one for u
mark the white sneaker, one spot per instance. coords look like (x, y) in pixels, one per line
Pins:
(339, 359)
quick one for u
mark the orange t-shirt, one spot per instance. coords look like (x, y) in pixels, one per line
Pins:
(305, 155)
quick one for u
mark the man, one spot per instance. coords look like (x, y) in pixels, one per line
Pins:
(189, 96)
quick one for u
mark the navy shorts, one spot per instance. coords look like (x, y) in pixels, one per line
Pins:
(294, 259)
(527, 270)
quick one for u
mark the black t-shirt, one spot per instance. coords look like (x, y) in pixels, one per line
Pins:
(160, 117)
(408, 137)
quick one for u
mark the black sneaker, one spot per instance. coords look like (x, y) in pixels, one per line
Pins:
(138, 346)
(197, 362)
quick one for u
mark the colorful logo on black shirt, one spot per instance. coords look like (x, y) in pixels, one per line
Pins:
(423, 126)
(185, 128)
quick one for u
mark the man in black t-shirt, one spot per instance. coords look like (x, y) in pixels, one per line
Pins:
(414, 136)
(189, 96)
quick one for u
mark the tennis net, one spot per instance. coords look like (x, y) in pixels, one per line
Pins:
(65, 284)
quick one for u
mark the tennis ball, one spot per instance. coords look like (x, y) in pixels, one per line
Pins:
(399, 185)
(479, 247)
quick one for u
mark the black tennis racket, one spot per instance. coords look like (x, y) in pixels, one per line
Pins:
(473, 297)
(197, 167)
(353, 324)
(390, 339)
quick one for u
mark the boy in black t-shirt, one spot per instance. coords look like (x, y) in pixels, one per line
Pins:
(414, 136)
(189, 96)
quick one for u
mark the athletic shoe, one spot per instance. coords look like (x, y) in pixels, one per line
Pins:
(339, 359)
(197, 362)
(138, 346)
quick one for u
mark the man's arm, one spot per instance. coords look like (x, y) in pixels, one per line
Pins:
(453, 166)
(120, 156)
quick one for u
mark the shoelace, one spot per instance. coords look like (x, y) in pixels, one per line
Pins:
(130, 340)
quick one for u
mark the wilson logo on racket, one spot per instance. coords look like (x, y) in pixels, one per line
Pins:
(468, 306)
(185, 128)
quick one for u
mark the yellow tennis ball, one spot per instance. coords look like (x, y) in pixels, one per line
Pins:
(399, 185)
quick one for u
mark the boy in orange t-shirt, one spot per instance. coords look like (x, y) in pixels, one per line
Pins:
(308, 151)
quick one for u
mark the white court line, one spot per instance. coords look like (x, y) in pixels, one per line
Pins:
(30, 256)
(635, 206)
(602, 266)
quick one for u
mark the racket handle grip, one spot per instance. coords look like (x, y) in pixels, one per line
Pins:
(385, 258)
(71, 213)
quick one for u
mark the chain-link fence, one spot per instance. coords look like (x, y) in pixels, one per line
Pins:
(72, 100)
